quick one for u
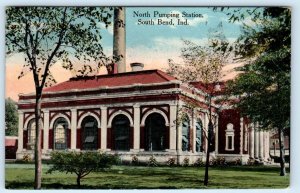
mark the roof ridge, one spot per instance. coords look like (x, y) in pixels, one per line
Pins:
(165, 75)
(112, 75)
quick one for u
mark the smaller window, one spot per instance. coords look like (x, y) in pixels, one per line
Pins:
(229, 137)
(31, 134)
(229, 142)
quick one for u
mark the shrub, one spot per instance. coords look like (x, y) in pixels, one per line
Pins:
(171, 162)
(152, 161)
(199, 162)
(80, 163)
(219, 161)
(186, 162)
(135, 160)
(251, 162)
(26, 158)
(237, 162)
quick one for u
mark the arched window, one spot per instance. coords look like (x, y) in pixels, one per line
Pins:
(60, 133)
(121, 129)
(229, 146)
(199, 128)
(155, 132)
(90, 133)
(185, 133)
(31, 134)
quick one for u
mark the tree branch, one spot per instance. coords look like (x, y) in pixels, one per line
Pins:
(49, 60)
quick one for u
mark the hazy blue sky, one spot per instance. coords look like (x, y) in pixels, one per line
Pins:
(154, 44)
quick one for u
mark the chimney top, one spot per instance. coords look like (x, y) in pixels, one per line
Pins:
(136, 66)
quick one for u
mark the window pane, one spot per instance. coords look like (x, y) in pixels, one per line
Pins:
(185, 134)
(229, 142)
(198, 136)
(90, 133)
(155, 132)
(121, 127)
(31, 134)
(60, 133)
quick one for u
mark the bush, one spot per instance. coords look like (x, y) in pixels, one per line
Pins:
(219, 161)
(186, 162)
(199, 163)
(152, 161)
(251, 162)
(80, 163)
(26, 158)
(171, 162)
(135, 160)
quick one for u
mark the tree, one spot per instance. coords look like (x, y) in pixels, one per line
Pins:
(80, 163)
(46, 35)
(11, 118)
(263, 87)
(204, 64)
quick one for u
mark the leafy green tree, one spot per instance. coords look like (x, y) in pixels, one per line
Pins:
(263, 87)
(11, 118)
(46, 35)
(80, 163)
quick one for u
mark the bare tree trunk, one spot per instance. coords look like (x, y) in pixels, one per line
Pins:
(281, 145)
(78, 181)
(37, 149)
(210, 127)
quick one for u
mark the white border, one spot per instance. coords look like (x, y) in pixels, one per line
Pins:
(295, 94)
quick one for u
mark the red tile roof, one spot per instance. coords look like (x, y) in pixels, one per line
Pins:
(210, 88)
(114, 80)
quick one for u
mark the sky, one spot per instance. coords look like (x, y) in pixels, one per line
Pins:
(152, 44)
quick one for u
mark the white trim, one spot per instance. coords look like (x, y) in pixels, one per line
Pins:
(84, 115)
(241, 134)
(106, 88)
(229, 132)
(170, 102)
(118, 113)
(29, 118)
(58, 116)
(155, 110)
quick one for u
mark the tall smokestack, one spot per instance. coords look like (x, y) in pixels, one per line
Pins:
(119, 38)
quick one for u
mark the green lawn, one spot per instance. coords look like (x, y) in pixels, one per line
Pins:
(20, 176)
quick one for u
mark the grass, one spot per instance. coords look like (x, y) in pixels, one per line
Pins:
(20, 176)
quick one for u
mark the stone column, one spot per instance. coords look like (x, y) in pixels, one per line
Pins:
(261, 144)
(46, 130)
(20, 130)
(179, 133)
(193, 126)
(267, 146)
(217, 135)
(252, 141)
(241, 134)
(73, 128)
(103, 128)
(136, 127)
(172, 124)
(256, 142)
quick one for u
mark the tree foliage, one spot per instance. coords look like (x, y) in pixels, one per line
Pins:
(11, 118)
(202, 62)
(264, 84)
(80, 163)
(46, 35)
(263, 87)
